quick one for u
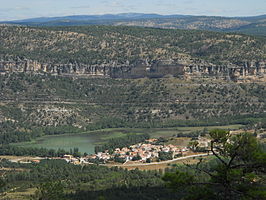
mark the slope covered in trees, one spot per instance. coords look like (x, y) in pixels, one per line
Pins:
(36, 105)
(108, 44)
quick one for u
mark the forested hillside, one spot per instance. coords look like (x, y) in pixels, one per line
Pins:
(107, 44)
(30, 104)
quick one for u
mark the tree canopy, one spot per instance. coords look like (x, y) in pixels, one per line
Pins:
(236, 172)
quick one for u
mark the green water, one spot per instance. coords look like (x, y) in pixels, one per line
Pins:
(87, 141)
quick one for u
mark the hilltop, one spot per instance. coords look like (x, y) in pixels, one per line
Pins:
(104, 44)
(249, 25)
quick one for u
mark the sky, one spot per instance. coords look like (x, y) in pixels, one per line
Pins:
(22, 9)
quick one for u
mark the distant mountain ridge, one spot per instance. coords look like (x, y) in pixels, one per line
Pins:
(122, 16)
(255, 25)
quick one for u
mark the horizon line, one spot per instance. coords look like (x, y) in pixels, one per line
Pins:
(120, 13)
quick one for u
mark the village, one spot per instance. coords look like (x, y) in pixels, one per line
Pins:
(147, 152)
(142, 152)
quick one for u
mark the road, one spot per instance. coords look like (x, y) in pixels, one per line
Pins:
(158, 163)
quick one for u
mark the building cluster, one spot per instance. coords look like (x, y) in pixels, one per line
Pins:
(148, 151)
(75, 161)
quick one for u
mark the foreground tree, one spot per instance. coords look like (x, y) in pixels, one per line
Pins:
(237, 172)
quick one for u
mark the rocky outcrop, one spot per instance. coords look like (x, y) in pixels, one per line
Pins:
(144, 68)
(256, 70)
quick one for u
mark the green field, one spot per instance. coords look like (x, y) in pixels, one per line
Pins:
(86, 141)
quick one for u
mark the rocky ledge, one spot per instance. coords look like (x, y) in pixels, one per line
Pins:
(248, 70)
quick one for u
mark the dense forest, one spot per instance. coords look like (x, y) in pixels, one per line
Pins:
(42, 152)
(89, 182)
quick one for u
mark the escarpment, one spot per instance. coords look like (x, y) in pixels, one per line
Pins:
(132, 52)
(142, 68)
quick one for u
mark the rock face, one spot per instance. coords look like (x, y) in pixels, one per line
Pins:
(255, 70)
(247, 70)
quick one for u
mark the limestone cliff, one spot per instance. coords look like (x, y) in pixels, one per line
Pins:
(252, 70)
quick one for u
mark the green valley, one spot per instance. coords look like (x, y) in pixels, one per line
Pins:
(82, 107)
